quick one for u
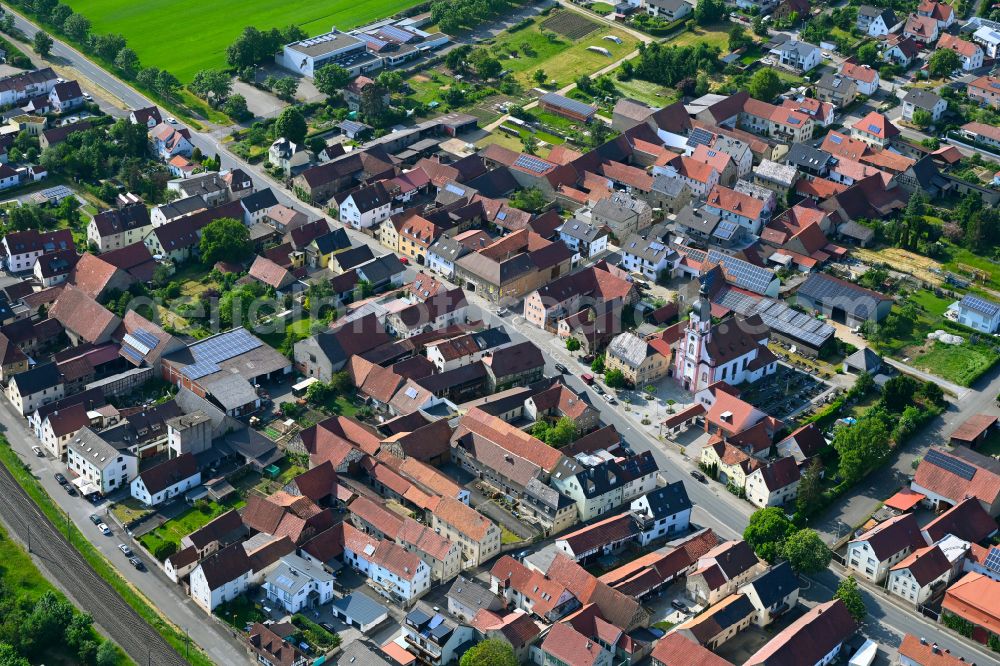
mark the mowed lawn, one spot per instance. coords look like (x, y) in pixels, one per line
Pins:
(184, 36)
(561, 58)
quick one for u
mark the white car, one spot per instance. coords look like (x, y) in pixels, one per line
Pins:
(37, 451)
(105, 530)
(172, 120)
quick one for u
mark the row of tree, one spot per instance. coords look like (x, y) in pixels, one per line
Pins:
(451, 16)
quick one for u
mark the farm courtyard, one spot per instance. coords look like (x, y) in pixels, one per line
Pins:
(184, 36)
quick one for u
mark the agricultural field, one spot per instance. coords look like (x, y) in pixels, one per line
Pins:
(184, 36)
(561, 51)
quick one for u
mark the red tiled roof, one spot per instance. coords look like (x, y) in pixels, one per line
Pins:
(975, 598)
(569, 646)
(920, 651)
(858, 72)
(677, 650)
(974, 427)
(925, 564)
(984, 485)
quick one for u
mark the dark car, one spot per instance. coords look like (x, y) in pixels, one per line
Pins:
(679, 605)
(70, 490)
(329, 627)
(94, 518)
(61, 479)
(137, 563)
(699, 476)
(561, 369)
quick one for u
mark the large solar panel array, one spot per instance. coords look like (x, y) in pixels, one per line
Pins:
(980, 305)
(533, 164)
(726, 230)
(209, 353)
(572, 105)
(742, 273)
(949, 464)
(373, 41)
(780, 318)
(399, 34)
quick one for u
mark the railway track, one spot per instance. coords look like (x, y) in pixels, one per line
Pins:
(92, 593)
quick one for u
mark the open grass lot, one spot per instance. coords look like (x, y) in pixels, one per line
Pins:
(652, 94)
(562, 59)
(190, 520)
(934, 305)
(961, 364)
(959, 256)
(715, 35)
(185, 36)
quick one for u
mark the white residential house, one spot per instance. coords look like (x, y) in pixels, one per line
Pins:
(669, 10)
(394, 573)
(876, 551)
(171, 478)
(221, 577)
(648, 255)
(295, 584)
(989, 39)
(875, 21)
(923, 100)
(977, 313)
(970, 53)
(921, 575)
(662, 513)
(168, 141)
(774, 484)
(586, 240)
(366, 207)
(798, 56)
(601, 488)
(772, 593)
(22, 248)
(59, 427)
(99, 463)
(29, 390)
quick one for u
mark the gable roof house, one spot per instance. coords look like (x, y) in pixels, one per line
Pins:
(112, 229)
(84, 319)
(921, 576)
(876, 551)
(946, 477)
(168, 141)
(814, 638)
(20, 249)
(33, 388)
(167, 480)
(772, 594)
(875, 21)
(721, 570)
(923, 29)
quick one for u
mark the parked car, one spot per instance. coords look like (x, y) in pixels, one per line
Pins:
(171, 120)
(598, 390)
(561, 369)
(588, 379)
(94, 518)
(105, 530)
(137, 563)
(503, 312)
(679, 605)
(699, 476)
(37, 451)
(125, 549)
(60, 478)
(610, 398)
(70, 490)
(329, 627)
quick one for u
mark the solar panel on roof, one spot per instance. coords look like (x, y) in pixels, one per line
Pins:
(568, 104)
(137, 344)
(980, 304)
(700, 137)
(374, 41)
(132, 354)
(742, 273)
(836, 140)
(993, 559)
(145, 337)
(530, 163)
(874, 129)
(949, 464)
(209, 353)
(396, 33)
(726, 230)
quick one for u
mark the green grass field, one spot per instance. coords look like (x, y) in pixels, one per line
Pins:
(190, 520)
(962, 364)
(184, 36)
(562, 59)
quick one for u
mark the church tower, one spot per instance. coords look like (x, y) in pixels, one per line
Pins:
(696, 335)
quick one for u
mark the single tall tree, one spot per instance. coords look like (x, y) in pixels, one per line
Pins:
(849, 593)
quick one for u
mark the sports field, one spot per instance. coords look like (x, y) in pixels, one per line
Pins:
(184, 36)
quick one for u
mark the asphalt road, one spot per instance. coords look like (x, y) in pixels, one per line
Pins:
(713, 506)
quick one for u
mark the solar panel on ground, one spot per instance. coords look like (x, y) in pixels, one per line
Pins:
(949, 464)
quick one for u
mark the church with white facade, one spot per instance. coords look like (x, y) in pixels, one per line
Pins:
(734, 350)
